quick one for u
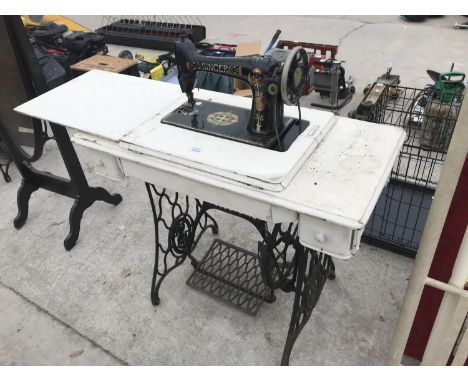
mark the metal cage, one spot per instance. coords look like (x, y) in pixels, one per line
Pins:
(429, 117)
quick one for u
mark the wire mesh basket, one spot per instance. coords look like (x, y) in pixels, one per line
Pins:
(5, 161)
(151, 32)
(429, 117)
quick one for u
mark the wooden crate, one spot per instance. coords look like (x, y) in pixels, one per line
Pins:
(103, 62)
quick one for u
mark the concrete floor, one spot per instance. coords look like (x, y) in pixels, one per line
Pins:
(91, 306)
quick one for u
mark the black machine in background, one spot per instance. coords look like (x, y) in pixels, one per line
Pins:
(78, 45)
(55, 73)
(66, 46)
(330, 83)
(378, 93)
(29, 82)
(327, 76)
(151, 32)
(273, 83)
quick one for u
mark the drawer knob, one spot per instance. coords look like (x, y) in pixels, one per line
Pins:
(320, 236)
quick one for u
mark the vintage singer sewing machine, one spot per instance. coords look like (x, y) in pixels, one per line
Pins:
(274, 81)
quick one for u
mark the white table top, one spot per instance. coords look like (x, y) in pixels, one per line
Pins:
(339, 182)
(130, 109)
(107, 104)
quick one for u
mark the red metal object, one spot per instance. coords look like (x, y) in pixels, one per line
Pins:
(317, 54)
(441, 268)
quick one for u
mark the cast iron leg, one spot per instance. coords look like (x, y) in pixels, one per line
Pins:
(101, 194)
(180, 228)
(83, 202)
(313, 270)
(24, 193)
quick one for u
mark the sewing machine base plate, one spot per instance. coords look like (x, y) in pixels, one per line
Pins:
(231, 122)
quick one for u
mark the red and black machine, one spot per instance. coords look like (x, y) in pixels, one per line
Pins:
(326, 74)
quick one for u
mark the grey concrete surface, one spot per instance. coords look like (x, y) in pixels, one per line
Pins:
(31, 336)
(99, 291)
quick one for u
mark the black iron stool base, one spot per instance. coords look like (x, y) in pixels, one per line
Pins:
(236, 276)
(231, 274)
(75, 187)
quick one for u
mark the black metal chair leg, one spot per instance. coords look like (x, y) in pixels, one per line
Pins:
(332, 274)
(76, 214)
(83, 202)
(24, 194)
(103, 195)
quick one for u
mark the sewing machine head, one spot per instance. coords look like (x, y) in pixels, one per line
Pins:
(274, 81)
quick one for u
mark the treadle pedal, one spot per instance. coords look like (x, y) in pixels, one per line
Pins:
(231, 274)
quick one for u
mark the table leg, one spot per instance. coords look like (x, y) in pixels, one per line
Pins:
(312, 271)
(285, 264)
(82, 203)
(24, 194)
(173, 217)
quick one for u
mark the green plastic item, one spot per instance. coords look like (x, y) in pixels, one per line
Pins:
(449, 87)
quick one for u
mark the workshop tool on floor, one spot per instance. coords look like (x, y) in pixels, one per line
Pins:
(435, 110)
(156, 32)
(376, 95)
(331, 84)
(326, 74)
(447, 85)
(273, 83)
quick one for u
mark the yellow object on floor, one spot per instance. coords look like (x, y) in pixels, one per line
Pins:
(146, 58)
(157, 73)
(38, 20)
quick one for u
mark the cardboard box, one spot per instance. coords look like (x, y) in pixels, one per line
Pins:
(245, 49)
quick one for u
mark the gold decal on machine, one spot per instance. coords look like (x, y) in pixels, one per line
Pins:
(222, 118)
(218, 68)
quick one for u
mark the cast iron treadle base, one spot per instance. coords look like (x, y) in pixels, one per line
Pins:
(232, 275)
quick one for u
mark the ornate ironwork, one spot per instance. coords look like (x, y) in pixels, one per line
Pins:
(5, 161)
(232, 275)
(277, 270)
(181, 231)
(312, 271)
(284, 263)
